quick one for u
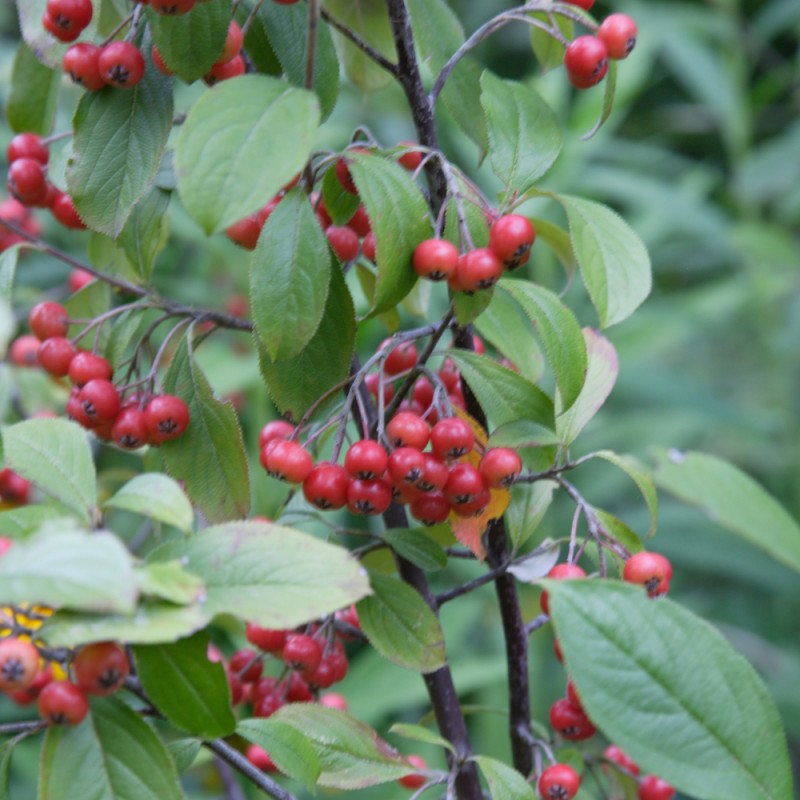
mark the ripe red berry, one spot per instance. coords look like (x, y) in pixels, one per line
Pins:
(343, 241)
(121, 64)
(245, 232)
(452, 438)
(24, 697)
(366, 459)
(615, 754)
(559, 782)
(368, 249)
(430, 508)
(289, 461)
(67, 18)
(100, 400)
(82, 63)
(586, 61)
(23, 351)
(401, 358)
(62, 703)
(276, 429)
(618, 34)
(100, 668)
(573, 696)
(500, 466)
(344, 177)
(406, 465)
(415, 780)
(478, 269)
(653, 788)
(87, 366)
(474, 507)
(259, 757)
(411, 159)
(266, 639)
(360, 223)
(159, 63)
(64, 211)
(569, 722)
(245, 665)
(48, 319)
(19, 663)
(652, 570)
(407, 429)
(298, 691)
(167, 417)
(464, 484)
(79, 278)
(435, 259)
(510, 239)
(302, 653)
(434, 474)
(326, 486)
(584, 4)
(55, 355)
(233, 43)
(130, 428)
(27, 145)
(27, 182)
(560, 572)
(373, 383)
(266, 705)
(368, 497)
(13, 487)
(224, 72)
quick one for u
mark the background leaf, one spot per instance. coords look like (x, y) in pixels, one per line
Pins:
(156, 496)
(505, 783)
(33, 94)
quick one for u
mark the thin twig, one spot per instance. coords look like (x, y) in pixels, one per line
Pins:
(360, 43)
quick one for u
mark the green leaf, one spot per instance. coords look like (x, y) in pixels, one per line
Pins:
(368, 19)
(188, 689)
(399, 216)
(287, 29)
(152, 623)
(351, 754)
(547, 49)
(296, 383)
(183, 753)
(637, 473)
(559, 242)
(628, 538)
(536, 564)
(19, 522)
(608, 99)
(32, 94)
(170, 581)
(241, 142)
(191, 43)
(415, 545)
(118, 142)
(696, 715)
(529, 504)
(524, 134)
(292, 752)
(560, 334)
(339, 204)
(209, 457)
(156, 496)
(124, 333)
(732, 499)
(613, 260)
(9, 259)
(601, 375)
(505, 783)
(290, 276)
(112, 755)
(146, 232)
(503, 395)
(68, 568)
(89, 302)
(400, 626)
(54, 454)
(268, 574)
(419, 734)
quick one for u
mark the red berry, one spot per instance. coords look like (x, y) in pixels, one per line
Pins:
(87, 366)
(415, 780)
(82, 63)
(500, 466)
(27, 182)
(266, 212)
(79, 278)
(289, 461)
(100, 668)
(360, 223)
(266, 639)
(613, 753)
(559, 782)
(343, 241)
(586, 61)
(121, 64)
(298, 691)
(652, 570)
(373, 383)
(653, 788)
(333, 700)
(560, 572)
(584, 4)
(326, 486)
(266, 705)
(19, 664)
(368, 249)
(366, 459)
(23, 351)
(167, 417)
(368, 497)
(233, 43)
(407, 429)
(478, 269)
(435, 259)
(62, 703)
(64, 211)
(573, 696)
(411, 159)
(25, 697)
(302, 653)
(323, 677)
(348, 616)
(130, 428)
(55, 355)
(464, 484)
(557, 651)
(406, 465)
(423, 392)
(48, 319)
(452, 438)
(434, 474)
(224, 72)
(510, 239)
(344, 177)
(13, 487)
(159, 63)
(430, 508)
(100, 400)
(245, 232)
(570, 723)
(276, 429)
(618, 34)
(27, 145)
(259, 757)
(245, 665)
(474, 507)
(236, 687)
(68, 18)
(400, 359)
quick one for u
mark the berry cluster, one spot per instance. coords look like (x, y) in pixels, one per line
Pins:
(230, 63)
(94, 401)
(649, 787)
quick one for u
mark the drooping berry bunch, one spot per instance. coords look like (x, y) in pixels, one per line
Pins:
(649, 787)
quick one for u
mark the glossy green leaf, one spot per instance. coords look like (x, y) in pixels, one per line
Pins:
(504, 395)
(292, 752)
(152, 623)
(123, 334)
(188, 689)
(351, 754)
(559, 332)
(191, 43)
(112, 755)
(548, 50)
(524, 134)
(296, 383)
(209, 457)
(168, 580)
(696, 715)
(400, 626)
(601, 375)
(32, 95)
(732, 499)
(241, 142)
(505, 783)
(118, 143)
(637, 473)
(529, 504)
(368, 19)
(68, 568)
(146, 232)
(415, 545)
(419, 734)
(156, 496)
(290, 277)
(269, 574)
(54, 454)
(613, 260)
(287, 29)
(398, 212)
(627, 537)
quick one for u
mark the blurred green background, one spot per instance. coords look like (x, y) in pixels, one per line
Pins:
(702, 156)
